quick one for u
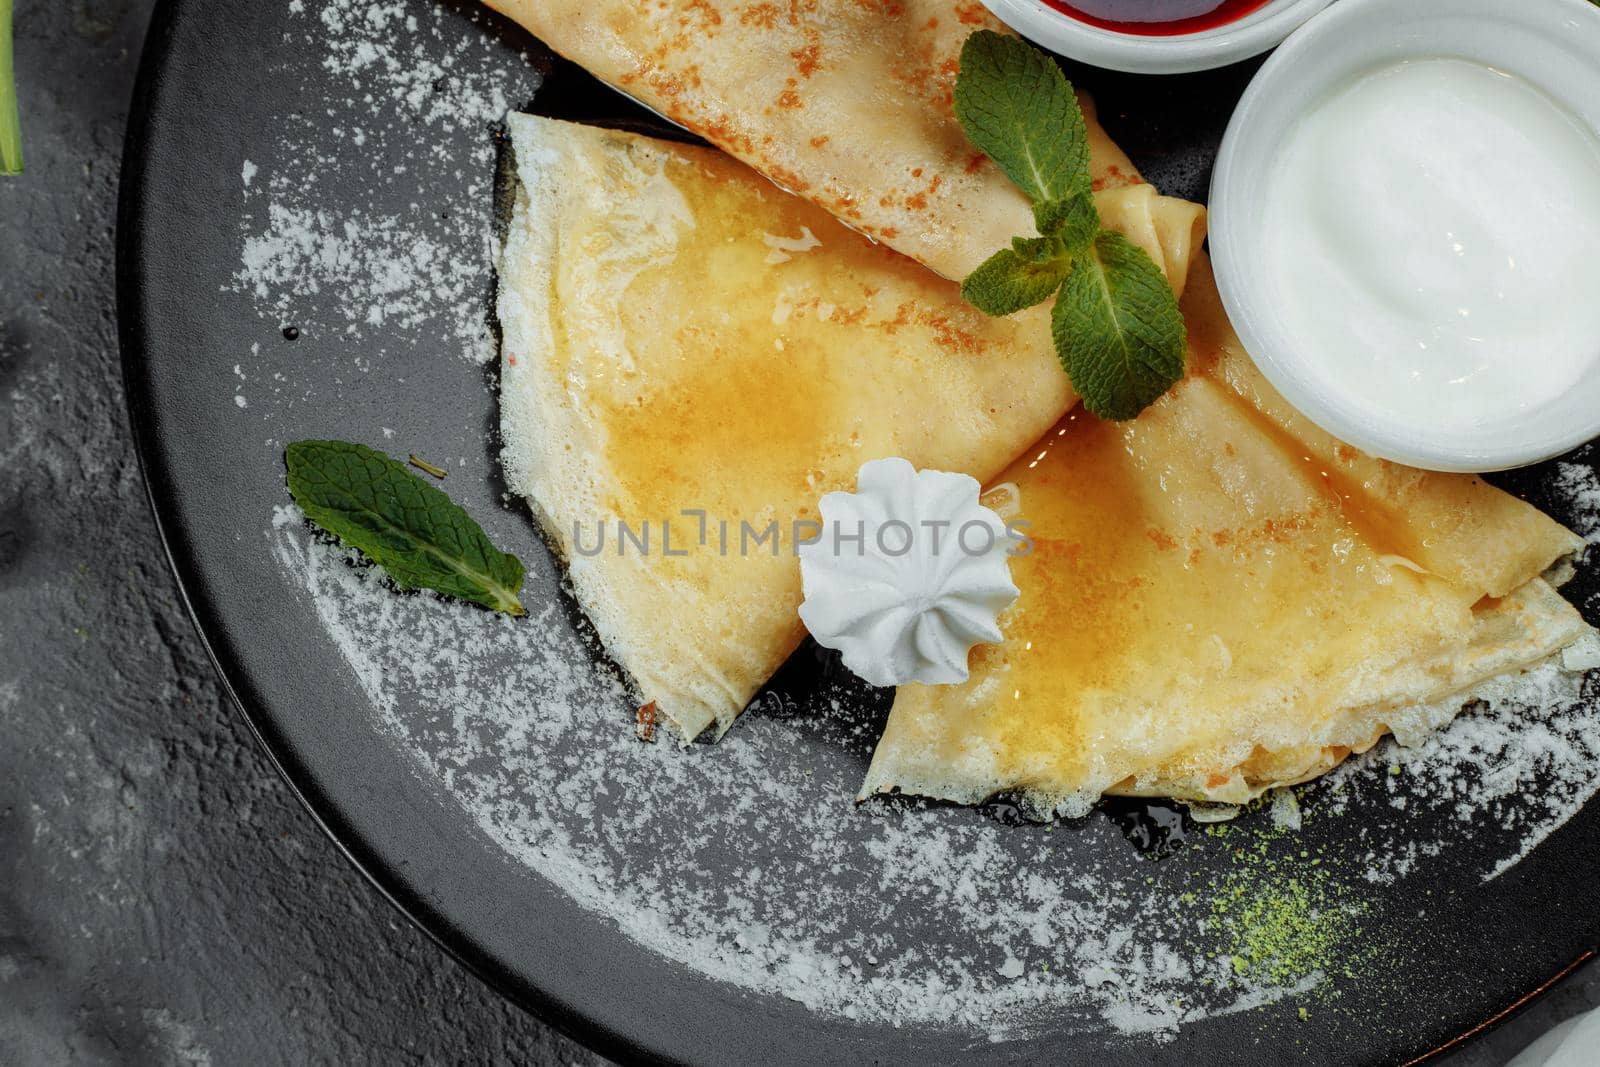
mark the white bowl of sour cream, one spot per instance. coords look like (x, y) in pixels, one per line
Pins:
(1405, 224)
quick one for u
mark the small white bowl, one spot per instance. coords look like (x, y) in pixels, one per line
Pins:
(1247, 36)
(1552, 44)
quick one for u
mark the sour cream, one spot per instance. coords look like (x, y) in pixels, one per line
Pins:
(1432, 236)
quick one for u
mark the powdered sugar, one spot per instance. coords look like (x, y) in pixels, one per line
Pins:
(1581, 487)
(911, 914)
(313, 258)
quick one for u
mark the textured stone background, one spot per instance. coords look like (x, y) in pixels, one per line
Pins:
(163, 898)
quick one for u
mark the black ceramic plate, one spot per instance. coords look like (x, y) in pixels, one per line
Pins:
(304, 252)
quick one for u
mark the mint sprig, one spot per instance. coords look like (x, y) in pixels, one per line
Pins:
(417, 534)
(1116, 324)
(10, 125)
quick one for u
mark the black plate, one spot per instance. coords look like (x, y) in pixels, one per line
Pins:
(447, 812)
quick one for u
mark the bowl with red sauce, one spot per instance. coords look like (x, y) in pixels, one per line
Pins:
(1156, 36)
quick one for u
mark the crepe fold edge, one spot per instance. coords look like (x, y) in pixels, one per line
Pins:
(1520, 632)
(538, 421)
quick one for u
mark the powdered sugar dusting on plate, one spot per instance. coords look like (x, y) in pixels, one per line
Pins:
(682, 848)
(310, 258)
(911, 914)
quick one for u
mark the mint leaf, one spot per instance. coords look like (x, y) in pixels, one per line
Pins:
(1117, 328)
(1074, 221)
(1039, 250)
(1016, 105)
(1007, 281)
(416, 533)
(1116, 324)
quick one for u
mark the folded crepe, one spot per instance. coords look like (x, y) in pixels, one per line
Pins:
(1221, 598)
(686, 348)
(847, 103)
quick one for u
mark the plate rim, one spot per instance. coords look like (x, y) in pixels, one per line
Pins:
(135, 355)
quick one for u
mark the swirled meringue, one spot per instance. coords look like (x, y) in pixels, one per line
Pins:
(907, 574)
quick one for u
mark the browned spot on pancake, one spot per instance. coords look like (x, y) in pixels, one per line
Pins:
(709, 15)
(945, 98)
(719, 131)
(1114, 177)
(1161, 539)
(798, 8)
(970, 14)
(787, 178)
(764, 16)
(1279, 531)
(807, 59)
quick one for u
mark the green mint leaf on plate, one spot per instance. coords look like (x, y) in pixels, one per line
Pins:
(1117, 329)
(1015, 104)
(1074, 221)
(10, 126)
(1007, 282)
(416, 533)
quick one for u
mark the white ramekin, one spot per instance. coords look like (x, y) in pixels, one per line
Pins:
(1553, 44)
(1142, 54)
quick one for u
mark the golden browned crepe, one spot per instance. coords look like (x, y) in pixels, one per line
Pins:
(845, 102)
(1222, 598)
(680, 335)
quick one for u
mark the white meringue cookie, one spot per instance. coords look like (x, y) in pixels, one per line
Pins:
(908, 573)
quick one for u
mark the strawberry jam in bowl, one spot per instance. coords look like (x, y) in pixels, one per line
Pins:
(1156, 36)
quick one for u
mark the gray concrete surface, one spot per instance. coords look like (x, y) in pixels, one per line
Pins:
(163, 899)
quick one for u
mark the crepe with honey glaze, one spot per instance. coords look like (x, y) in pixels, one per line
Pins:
(680, 335)
(1222, 598)
(845, 102)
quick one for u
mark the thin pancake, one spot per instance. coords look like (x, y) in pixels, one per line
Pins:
(845, 102)
(679, 335)
(1222, 598)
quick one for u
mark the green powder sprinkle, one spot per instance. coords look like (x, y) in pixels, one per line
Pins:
(1278, 914)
